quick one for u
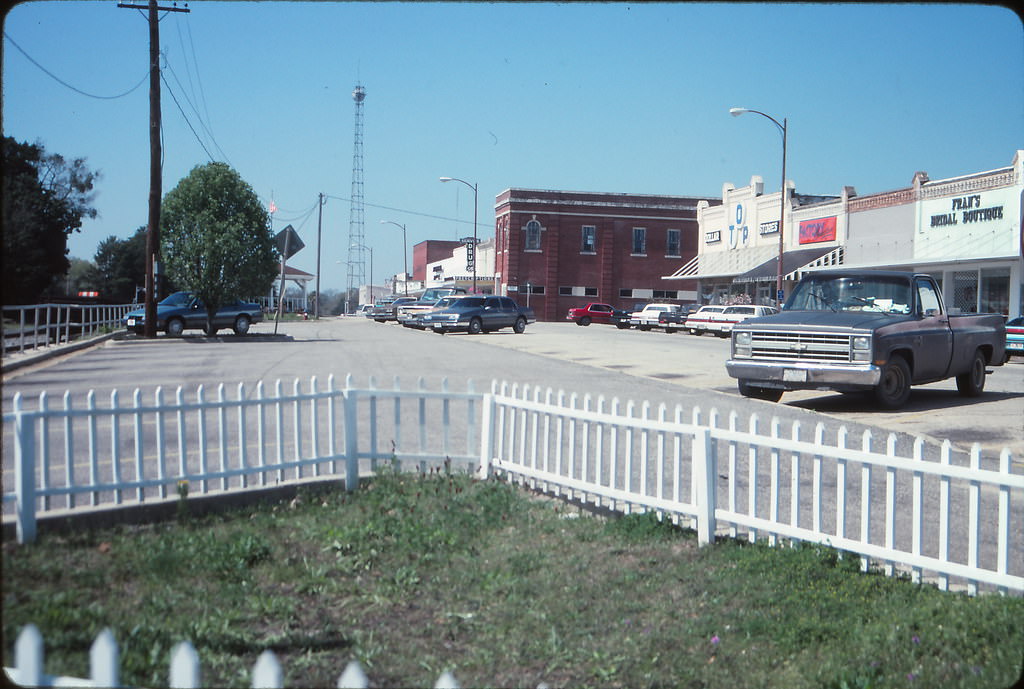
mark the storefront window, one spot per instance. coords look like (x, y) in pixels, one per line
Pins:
(965, 291)
(995, 291)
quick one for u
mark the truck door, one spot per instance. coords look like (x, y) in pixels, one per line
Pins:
(933, 339)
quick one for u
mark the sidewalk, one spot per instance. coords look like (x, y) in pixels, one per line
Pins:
(16, 360)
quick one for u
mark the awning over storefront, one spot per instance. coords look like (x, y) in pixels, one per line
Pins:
(792, 262)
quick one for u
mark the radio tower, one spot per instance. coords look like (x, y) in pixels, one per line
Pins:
(356, 224)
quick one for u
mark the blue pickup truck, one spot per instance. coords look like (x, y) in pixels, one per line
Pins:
(872, 331)
(182, 311)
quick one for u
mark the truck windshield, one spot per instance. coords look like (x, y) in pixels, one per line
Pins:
(844, 293)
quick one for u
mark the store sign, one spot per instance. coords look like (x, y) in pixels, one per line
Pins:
(769, 227)
(820, 230)
(713, 237)
(739, 232)
(964, 210)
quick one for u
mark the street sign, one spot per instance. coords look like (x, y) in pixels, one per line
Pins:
(288, 242)
(470, 240)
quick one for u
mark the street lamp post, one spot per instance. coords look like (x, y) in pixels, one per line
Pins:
(736, 112)
(474, 188)
(405, 254)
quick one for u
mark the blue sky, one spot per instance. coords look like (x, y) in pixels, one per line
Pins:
(607, 97)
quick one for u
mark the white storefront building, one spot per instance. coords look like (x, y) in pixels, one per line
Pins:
(965, 231)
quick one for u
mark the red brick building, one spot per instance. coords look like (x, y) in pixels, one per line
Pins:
(559, 249)
(428, 251)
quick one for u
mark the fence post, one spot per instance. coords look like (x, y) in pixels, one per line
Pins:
(104, 660)
(486, 434)
(24, 473)
(185, 669)
(28, 657)
(705, 477)
(350, 400)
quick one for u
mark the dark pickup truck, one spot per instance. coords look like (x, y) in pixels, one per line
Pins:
(479, 315)
(871, 331)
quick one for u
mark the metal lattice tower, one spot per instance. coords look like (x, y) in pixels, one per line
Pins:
(356, 223)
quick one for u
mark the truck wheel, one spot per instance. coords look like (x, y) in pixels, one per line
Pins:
(585, 321)
(972, 383)
(893, 389)
(175, 327)
(519, 326)
(241, 326)
(476, 326)
(754, 392)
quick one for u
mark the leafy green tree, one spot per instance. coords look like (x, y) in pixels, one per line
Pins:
(45, 198)
(121, 266)
(215, 237)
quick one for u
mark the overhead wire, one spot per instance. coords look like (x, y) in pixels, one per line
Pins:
(66, 84)
(403, 210)
(185, 117)
(198, 116)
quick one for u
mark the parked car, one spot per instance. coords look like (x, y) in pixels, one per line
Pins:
(415, 320)
(647, 318)
(595, 312)
(721, 323)
(475, 315)
(672, 321)
(425, 302)
(872, 331)
(1015, 337)
(387, 309)
(182, 311)
(697, 322)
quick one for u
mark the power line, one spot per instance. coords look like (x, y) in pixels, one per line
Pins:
(66, 84)
(403, 210)
(185, 117)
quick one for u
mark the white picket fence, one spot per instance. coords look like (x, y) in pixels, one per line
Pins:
(40, 325)
(185, 670)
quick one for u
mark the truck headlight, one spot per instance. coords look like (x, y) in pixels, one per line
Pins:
(861, 348)
(741, 344)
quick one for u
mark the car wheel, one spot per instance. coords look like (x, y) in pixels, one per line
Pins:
(241, 326)
(622, 326)
(893, 389)
(585, 321)
(670, 330)
(754, 392)
(175, 327)
(694, 331)
(519, 326)
(972, 383)
(476, 326)
(381, 320)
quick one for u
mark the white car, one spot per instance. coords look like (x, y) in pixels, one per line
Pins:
(721, 323)
(697, 322)
(648, 317)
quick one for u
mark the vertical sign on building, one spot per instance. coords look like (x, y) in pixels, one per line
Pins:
(470, 243)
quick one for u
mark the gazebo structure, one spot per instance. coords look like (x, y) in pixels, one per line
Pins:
(299, 277)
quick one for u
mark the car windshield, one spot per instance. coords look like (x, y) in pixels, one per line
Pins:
(468, 303)
(841, 293)
(435, 293)
(177, 299)
(446, 302)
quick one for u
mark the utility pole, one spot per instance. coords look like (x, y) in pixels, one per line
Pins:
(155, 183)
(319, 222)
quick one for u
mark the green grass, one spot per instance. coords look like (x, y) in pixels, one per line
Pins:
(414, 575)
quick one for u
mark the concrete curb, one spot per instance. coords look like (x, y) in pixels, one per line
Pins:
(37, 355)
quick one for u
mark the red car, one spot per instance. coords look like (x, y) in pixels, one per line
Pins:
(598, 313)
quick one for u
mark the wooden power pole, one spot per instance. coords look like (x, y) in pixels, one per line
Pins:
(155, 176)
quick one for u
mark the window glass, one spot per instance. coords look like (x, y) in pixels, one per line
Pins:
(533, 236)
(639, 240)
(995, 291)
(672, 243)
(589, 241)
(927, 296)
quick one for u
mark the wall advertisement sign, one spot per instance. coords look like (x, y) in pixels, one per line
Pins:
(972, 225)
(820, 230)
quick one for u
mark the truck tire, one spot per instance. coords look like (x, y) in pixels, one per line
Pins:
(972, 383)
(519, 326)
(893, 390)
(476, 326)
(754, 392)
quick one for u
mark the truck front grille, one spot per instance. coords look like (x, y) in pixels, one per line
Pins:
(787, 346)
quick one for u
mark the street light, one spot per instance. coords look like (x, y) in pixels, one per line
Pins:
(405, 255)
(473, 187)
(736, 112)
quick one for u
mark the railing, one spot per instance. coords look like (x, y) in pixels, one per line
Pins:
(927, 512)
(25, 327)
(184, 669)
